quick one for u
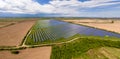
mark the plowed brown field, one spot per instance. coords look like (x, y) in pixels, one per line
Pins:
(3, 24)
(31, 53)
(14, 34)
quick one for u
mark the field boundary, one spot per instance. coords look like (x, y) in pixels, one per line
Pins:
(24, 39)
(33, 46)
(56, 43)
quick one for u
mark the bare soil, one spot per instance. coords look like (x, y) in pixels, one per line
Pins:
(31, 53)
(88, 21)
(14, 34)
(102, 24)
(3, 24)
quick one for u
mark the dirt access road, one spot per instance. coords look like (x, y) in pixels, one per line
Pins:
(14, 34)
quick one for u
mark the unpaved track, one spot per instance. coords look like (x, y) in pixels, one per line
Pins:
(31, 53)
(14, 34)
(51, 43)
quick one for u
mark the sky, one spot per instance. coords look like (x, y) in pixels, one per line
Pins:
(60, 8)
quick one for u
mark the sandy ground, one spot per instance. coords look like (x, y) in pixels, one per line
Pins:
(31, 53)
(102, 24)
(14, 34)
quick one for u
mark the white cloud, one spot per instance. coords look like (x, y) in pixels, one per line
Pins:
(97, 3)
(24, 6)
(72, 7)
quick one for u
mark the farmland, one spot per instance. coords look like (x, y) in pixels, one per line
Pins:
(73, 49)
(14, 34)
(56, 39)
(31, 53)
(106, 24)
(4, 24)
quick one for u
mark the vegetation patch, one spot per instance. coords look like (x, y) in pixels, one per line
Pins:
(15, 52)
(101, 53)
(78, 47)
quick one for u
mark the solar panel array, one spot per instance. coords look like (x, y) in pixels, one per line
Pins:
(54, 29)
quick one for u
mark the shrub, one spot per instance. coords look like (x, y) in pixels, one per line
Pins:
(15, 52)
